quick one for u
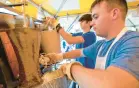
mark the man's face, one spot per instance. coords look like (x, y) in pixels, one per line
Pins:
(101, 19)
(84, 25)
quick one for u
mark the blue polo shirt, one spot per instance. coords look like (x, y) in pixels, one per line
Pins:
(124, 54)
(89, 38)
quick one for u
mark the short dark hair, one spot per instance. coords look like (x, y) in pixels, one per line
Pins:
(111, 3)
(86, 17)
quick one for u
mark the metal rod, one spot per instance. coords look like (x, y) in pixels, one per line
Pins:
(24, 14)
(19, 4)
(133, 24)
(69, 28)
(60, 7)
(13, 5)
(9, 8)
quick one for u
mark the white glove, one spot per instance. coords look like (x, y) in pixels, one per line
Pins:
(50, 58)
(52, 22)
(66, 68)
(49, 76)
(44, 60)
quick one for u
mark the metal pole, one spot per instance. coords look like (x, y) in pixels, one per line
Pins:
(24, 15)
(69, 28)
(133, 24)
(60, 7)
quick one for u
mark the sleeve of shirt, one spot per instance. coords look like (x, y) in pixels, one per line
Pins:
(91, 51)
(89, 38)
(77, 34)
(127, 57)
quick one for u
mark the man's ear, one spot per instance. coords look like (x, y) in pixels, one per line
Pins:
(115, 13)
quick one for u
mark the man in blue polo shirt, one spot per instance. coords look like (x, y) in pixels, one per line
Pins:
(116, 57)
(81, 39)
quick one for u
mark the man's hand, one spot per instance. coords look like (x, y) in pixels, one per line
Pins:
(44, 60)
(52, 58)
(53, 23)
(66, 68)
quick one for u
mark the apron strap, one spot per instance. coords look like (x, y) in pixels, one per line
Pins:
(101, 61)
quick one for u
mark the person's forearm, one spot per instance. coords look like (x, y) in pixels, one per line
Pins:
(89, 78)
(65, 35)
(72, 54)
(69, 38)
